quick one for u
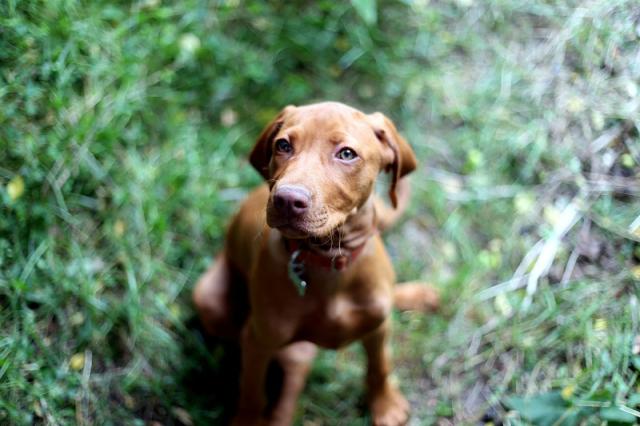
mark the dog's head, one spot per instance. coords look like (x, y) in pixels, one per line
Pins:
(321, 162)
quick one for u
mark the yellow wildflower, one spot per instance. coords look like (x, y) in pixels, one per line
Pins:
(77, 362)
(15, 188)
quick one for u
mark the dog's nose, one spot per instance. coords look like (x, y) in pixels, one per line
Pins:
(291, 201)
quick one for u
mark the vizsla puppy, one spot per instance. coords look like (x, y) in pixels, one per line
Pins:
(315, 272)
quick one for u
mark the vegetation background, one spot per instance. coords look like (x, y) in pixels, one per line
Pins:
(124, 128)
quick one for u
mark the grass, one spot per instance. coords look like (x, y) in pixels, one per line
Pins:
(124, 129)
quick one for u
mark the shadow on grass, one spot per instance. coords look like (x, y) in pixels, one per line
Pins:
(210, 379)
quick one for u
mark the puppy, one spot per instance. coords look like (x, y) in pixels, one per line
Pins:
(304, 265)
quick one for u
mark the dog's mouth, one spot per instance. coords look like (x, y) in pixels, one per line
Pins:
(299, 229)
(310, 225)
(294, 231)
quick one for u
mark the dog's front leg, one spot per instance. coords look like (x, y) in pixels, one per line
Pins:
(256, 355)
(388, 406)
(296, 360)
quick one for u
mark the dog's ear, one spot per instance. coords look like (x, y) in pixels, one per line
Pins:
(397, 156)
(261, 153)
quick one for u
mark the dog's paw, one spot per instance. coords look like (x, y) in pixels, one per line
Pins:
(416, 296)
(389, 407)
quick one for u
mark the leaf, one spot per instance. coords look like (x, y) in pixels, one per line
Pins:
(367, 10)
(635, 361)
(444, 409)
(615, 414)
(549, 409)
(601, 395)
(543, 409)
(634, 400)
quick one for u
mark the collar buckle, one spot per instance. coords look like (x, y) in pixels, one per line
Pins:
(295, 270)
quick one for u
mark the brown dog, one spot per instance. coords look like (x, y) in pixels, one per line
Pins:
(316, 273)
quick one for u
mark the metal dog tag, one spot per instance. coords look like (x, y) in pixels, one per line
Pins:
(296, 271)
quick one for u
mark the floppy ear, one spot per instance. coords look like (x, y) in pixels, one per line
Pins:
(261, 153)
(397, 155)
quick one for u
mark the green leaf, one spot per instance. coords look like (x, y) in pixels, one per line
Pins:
(601, 395)
(543, 409)
(444, 409)
(550, 409)
(635, 360)
(615, 414)
(367, 10)
(634, 400)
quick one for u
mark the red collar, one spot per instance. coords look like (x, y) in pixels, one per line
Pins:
(336, 263)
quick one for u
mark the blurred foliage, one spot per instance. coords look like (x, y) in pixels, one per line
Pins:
(123, 132)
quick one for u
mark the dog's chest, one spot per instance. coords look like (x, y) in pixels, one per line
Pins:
(339, 320)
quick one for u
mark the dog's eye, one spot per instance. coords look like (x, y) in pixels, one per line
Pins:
(346, 154)
(283, 145)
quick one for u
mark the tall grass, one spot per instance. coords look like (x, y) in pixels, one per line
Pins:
(123, 132)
